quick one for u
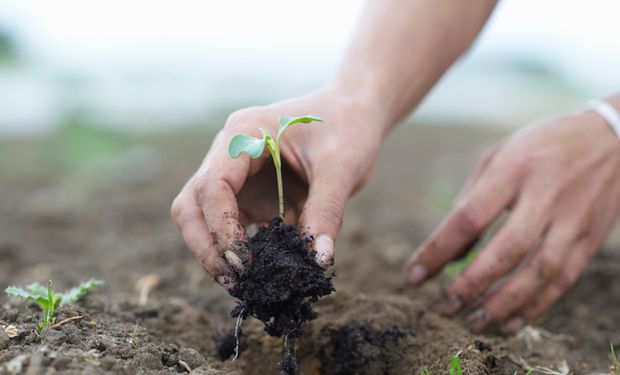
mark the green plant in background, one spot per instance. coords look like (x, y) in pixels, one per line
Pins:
(455, 366)
(615, 364)
(255, 147)
(49, 300)
(456, 267)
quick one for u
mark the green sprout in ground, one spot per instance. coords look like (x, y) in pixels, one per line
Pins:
(255, 147)
(456, 369)
(455, 366)
(49, 300)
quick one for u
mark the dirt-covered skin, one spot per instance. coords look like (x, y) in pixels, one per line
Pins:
(116, 227)
(282, 281)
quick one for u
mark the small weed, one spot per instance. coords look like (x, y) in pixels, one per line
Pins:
(455, 366)
(49, 300)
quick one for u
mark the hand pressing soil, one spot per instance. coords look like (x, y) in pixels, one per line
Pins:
(282, 282)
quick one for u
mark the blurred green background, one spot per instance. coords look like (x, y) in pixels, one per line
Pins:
(86, 78)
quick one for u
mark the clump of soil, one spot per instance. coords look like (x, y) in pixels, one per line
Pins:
(282, 282)
(358, 345)
(367, 335)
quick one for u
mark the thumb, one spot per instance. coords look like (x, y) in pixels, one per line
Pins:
(322, 216)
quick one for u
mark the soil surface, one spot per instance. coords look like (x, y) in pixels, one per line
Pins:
(159, 313)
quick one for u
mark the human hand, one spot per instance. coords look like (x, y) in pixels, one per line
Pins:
(323, 164)
(560, 180)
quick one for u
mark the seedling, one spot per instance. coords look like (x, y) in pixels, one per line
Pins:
(615, 364)
(49, 300)
(455, 366)
(255, 147)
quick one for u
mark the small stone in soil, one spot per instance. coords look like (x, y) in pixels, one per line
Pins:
(482, 346)
(191, 357)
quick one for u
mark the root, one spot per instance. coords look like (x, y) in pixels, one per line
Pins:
(66, 321)
(237, 329)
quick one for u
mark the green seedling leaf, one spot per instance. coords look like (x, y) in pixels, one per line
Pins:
(455, 366)
(37, 289)
(286, 121)
(255, 147)
(15, 291)
(240, 143)
(74, 294)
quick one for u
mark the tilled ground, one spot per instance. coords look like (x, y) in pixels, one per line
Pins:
(112, 223)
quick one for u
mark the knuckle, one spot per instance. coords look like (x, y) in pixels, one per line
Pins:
(469, 220)
(179, 211)
(331, 210)
(520, 162)
(517, 244)
(546, 265)
(246, 116)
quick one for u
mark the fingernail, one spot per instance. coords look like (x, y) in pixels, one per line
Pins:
(233, 260)
(324, 247)
(251, 229)
(225, 281)
(513, 325)
(450, 305)
(478, 320)
(417, 274)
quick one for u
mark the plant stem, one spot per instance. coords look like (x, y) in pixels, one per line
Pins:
(280, 192)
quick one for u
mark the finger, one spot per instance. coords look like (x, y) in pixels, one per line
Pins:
(537, 306)
(323, 212)
(524, 285)
(190, 220)
(216, 186)
(584, 249)
(504, 252)
(489, 196)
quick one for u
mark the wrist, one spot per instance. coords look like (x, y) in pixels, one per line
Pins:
(361, 100)
(607, 111)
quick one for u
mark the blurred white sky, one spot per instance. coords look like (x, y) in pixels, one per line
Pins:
(156, 63)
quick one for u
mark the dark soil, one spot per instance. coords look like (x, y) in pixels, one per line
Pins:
(114, 225)
(282, 281)
(280, 284)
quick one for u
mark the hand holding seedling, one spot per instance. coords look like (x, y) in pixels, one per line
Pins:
(321, 166)
(560, 181)
(254, 148)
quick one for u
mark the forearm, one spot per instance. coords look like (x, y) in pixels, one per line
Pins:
(402, 47)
